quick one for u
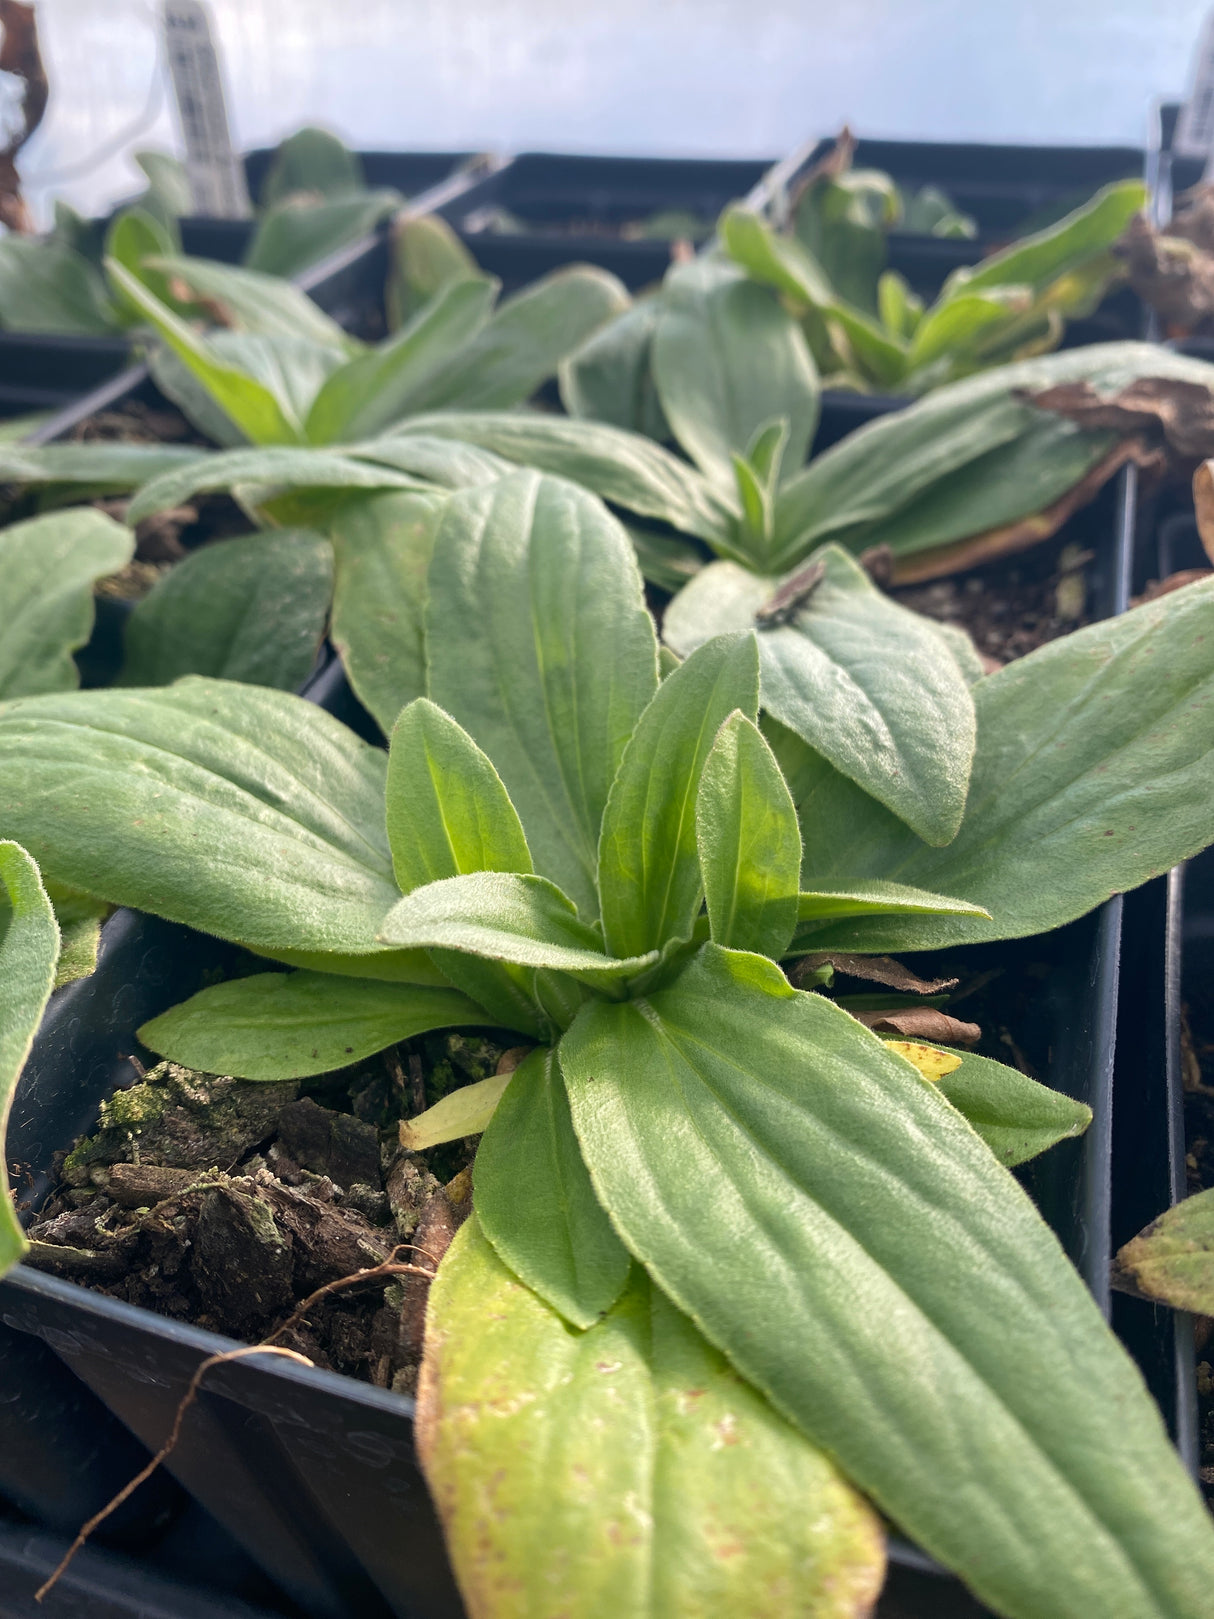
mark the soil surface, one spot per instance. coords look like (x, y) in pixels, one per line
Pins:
(1014, 605)
(226, 1203)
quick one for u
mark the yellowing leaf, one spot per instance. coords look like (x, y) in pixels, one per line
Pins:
(932, 1063)
(464, 1112)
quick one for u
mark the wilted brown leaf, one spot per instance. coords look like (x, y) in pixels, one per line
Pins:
(1171, 273)
(877, 969)
(1160, 410)
(1203, 502)
(1175, 581)
(921, 1023)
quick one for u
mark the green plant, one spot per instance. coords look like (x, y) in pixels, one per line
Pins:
(314, 201)
(868, 330)
(611, 865)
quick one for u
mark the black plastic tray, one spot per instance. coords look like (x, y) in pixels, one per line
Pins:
(313, 1474)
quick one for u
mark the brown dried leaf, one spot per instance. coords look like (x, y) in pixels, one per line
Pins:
(1203, 501)
(1175, 581)
(877, 969)
(921, 1023)
(20, 56)
(1025, 532)
(1160, 410)
(1172, 271)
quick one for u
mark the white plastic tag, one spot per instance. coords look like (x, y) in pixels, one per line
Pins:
(1194, 135)
(216, 176)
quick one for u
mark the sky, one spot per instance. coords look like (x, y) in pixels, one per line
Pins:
(692, 77)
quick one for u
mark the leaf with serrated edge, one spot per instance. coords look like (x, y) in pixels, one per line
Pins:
(535, 1202)
(251, 609)
(121, 793)
(1090, 777)
(872, 686)
(525, 920)
(749, 842)
(889, 1286)
(49, 566)
(540, 646)
(649, 866)
(29, 949)
(627, 1464)
(383, 545)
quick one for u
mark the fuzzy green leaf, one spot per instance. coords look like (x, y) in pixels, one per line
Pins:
(383, 546)
(872, 686)
(250, 609)
(610, 379)
(535, 1202)
(1173, 1259)
(627, 1464)
(1089, 778)
(29, 949)
(1016, 1117)
(288, 1025)
(375, 390)
(726, 359)
(448, 813)
(48, 287)
(649, 865)
(294, 235)
(250, 301)
(49, 565)
(523, 920)
(907, 1308)
(293, 467)
(240, 811)
(749, 842)
(100, 466)
(541, 648)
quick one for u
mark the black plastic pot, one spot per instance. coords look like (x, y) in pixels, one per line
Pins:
(313, 1474)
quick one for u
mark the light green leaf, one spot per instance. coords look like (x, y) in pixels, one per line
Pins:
(1173, 1259)
(1035, 261)
(749, 842)
(867, 1263)
(649, 866)
(294, 235)
(47, 287)
(29, 948)
(855, 488)
(448, 813)
(178, 384)
(262, 414)
(383, 547)
(250, 609)
(523, 920)
(134, 238)
(526, 340)
(444, 461)
(375, 390)
(872, 686)
(780, 261)
(427, 256)
(49, 566)
(877, 358)
(1016, 1117)
(623, 468)
(121, 794)
(253, 302)
(1089, 778)
(541, 648)
(899, 308)
(535, 1202)
(726, 359)
(288, 1025)
(609, 379)
(953, 326)
(290, 466)
(461, 1113)
(168, 192)
(79, 920)
(315, 162)
(881, 899)
(101, 467)
(385, 967)
(627, 1463)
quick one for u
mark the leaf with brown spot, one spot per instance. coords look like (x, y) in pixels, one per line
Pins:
(1173, 1259)
(626, 1470)
(1165, 410)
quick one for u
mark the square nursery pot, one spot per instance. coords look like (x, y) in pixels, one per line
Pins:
(313, 1474)
(50, 372)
